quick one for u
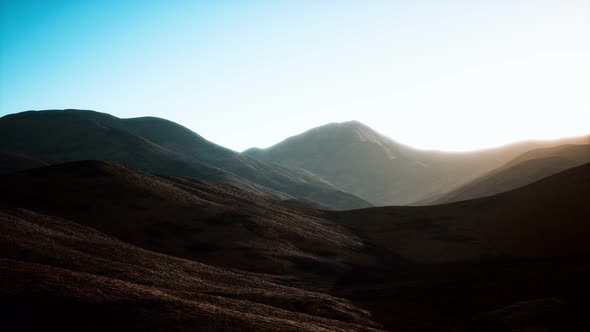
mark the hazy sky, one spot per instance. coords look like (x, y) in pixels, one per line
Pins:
(451, 75)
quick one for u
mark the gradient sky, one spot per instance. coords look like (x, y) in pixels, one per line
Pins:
(449, 75)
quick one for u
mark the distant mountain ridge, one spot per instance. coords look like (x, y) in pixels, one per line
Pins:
(339, 165)
(158, 146)
(522, 170)
(350, 155)
(372, 166)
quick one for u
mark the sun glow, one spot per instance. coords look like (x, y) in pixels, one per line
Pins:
(448, 75)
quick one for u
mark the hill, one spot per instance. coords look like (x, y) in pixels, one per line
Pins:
(524, 169)
(515, 261)
(123, 249)
(545, 218)
(185, 217)
(13, 162)
(60, 275)
(158, 146)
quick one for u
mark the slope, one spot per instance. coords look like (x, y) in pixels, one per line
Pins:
(524, 169)
(186, 217)
(543, 219)
(70, 277)
(13, 162)
(516, 261)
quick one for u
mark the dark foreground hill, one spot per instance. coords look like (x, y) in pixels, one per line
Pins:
(186, 217)
(517, 261)
(361, 161)
(159, 146)
(60, 275)
(550, 217)
(522, 170)
(14, 162)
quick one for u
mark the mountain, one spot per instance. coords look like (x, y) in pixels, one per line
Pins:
(159, 146)
(524, 169)
(96, 245)
(357, 159)
(361, 161)
(60, 275)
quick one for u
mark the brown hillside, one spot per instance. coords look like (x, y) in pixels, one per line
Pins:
(57, 274)
(185, 217)
(547, 218)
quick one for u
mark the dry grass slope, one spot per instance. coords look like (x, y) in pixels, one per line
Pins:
(547, 218)
(72, 277)
(195, 219)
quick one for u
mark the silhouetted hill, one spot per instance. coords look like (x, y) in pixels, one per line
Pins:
(361, 161)
(526, 168)
(59, 275)
(158, 146)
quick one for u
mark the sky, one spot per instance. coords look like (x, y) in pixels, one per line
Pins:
(445, 75)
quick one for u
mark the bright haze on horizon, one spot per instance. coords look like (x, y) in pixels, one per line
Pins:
(446, 75)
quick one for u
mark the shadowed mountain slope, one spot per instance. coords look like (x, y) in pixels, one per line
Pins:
(544, 219)
(516, 261)
(526, 168)
(13, 162)
(372, 166)
(57, 274)
(158, 146)
(487, 259)
(185, 217)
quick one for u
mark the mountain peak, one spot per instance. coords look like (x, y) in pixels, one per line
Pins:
(352, 124)
(348, 132)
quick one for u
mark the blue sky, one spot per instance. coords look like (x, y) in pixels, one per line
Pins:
(449, 75)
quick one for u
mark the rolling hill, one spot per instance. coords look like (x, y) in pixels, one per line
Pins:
(547, 218)
(524, 169)
(515, 261)
(60, 275)
(158, 146)
(96, 245)
(123, 249)
(186, 217)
